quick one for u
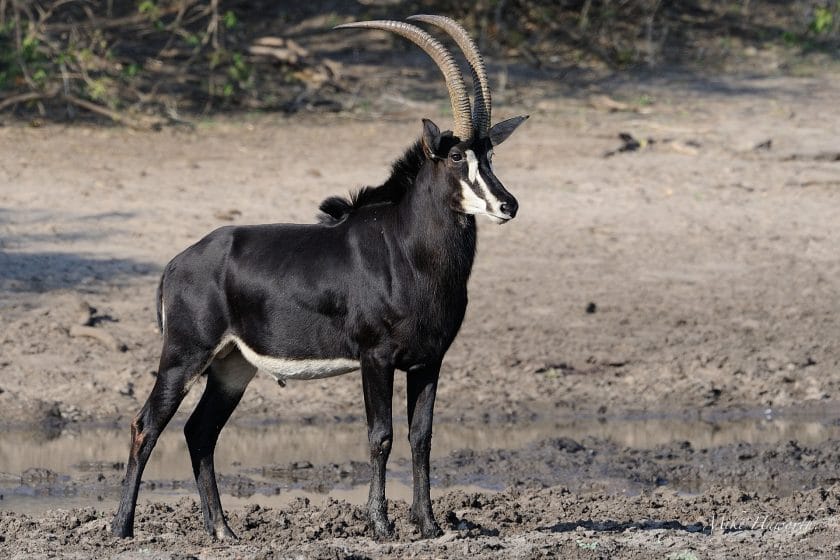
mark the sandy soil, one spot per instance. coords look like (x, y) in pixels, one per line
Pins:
(697, 275)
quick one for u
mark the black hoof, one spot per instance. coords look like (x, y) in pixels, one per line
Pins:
(432, 531)
(382, 528)
(429, 529)
(121, 531)
(224, 533)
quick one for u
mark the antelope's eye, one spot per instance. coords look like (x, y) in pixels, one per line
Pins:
(455, 156)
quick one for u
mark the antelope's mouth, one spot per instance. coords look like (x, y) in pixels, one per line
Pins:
(499, 218)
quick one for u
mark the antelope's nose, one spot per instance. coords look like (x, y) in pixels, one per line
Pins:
(509, 208)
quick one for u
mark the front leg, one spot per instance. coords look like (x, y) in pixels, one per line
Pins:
(378, 385)
(421, 389)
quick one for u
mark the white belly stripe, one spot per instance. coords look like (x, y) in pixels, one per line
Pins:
(162, 316)
(289, 368)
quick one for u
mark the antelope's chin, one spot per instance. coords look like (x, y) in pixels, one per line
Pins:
(499, 218)
(495, 218)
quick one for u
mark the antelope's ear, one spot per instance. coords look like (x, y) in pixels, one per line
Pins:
(499, 132)
(431, 139)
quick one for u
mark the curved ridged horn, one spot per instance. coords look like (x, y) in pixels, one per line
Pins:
(481, 86)
(442, 57)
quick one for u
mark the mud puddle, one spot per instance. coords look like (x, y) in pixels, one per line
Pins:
(273, 465)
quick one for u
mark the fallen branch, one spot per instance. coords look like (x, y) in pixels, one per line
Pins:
(25, 97)
(92, 332)
(84, 327)
(79, 102)
(106, 112)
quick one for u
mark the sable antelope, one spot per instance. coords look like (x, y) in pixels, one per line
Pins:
(379, 284)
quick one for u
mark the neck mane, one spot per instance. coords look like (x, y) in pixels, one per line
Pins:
(442, 242)
(439, 226)
(403, 175)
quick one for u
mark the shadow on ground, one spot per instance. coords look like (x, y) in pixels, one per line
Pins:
(48, 270)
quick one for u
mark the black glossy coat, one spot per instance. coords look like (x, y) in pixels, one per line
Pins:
(382, 280)
(389, 279)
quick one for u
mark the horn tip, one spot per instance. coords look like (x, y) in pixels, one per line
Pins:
(374, 24)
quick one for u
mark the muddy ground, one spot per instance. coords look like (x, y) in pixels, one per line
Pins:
(695, 277)
(540, 514)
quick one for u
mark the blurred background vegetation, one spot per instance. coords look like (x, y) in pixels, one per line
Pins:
(153, 61)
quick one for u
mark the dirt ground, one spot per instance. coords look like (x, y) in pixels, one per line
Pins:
(697, 276)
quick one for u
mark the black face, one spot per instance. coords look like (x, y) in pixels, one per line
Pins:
(478, 189)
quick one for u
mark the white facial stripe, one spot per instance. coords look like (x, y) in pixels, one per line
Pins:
(288, 368)
(475, 177)
(494, 203)
(472, 165)
(471, 203)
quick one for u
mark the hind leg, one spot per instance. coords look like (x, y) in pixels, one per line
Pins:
(178, 369)
(226, 383)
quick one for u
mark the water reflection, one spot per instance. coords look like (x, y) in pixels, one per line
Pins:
(242, 449)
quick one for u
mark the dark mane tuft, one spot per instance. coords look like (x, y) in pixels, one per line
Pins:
(334, 209)
(403, 173)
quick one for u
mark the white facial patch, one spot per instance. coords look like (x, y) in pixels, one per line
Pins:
(472, 165)
(473, 203)
(289, 368)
